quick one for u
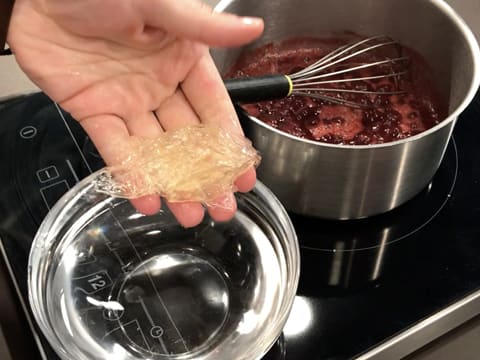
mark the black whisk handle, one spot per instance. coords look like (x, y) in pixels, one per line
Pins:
(261, 88)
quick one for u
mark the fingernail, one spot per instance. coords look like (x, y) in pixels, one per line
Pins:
(251, 20)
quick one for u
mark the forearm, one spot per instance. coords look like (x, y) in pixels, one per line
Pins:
(5, 11)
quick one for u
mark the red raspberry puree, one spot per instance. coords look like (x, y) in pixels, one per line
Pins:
(386, 118)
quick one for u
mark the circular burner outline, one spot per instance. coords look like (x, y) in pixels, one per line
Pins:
(418, 228)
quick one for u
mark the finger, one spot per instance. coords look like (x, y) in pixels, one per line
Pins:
(108, 133)
(176, 112)
(196, 21)
(246, 181)
(188, 214)
(144, 125)
(216, 108)
(223, 208)
(148, 205)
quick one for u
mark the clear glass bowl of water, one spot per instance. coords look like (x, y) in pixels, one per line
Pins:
(106, 282)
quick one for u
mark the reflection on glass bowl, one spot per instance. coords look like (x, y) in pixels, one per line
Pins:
(106, 282)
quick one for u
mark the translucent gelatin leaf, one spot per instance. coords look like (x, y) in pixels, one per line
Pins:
(194, 163)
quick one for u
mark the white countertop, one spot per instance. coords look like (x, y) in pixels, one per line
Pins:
(12, 80)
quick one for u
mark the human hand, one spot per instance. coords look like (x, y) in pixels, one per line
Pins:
(124, 68)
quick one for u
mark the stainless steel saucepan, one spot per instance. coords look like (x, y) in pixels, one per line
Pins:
(344, 182)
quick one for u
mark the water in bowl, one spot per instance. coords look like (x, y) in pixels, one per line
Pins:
(127, 288)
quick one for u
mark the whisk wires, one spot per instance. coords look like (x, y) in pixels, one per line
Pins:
(346, 66)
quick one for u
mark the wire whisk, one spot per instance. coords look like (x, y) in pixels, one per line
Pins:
(336, 78)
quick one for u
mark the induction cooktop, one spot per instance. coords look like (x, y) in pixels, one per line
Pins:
(376, 288)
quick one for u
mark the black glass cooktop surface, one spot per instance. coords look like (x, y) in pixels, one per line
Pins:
(362, 281)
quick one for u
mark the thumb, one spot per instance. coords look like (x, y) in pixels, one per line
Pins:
(196, 21)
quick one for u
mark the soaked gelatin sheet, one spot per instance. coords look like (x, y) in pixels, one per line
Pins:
(194, 163)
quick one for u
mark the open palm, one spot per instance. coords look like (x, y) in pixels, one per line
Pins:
(129, 67)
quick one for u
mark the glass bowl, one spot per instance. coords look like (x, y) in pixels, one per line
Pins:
(106, 282)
